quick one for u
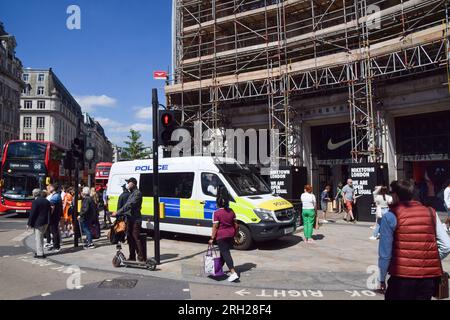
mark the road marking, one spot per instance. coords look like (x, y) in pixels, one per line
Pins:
(243, 292)
(6, 256)
(6, 216)
(46, 294)
(280, 293)
(186, 290)
(21, 237)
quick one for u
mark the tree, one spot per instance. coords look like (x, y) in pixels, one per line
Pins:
(135, 149)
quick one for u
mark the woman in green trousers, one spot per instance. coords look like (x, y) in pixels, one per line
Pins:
(309, 205)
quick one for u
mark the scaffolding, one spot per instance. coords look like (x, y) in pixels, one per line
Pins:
(238, 53)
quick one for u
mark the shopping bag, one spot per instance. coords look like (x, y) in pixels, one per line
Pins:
(213, 265)
(95, 230)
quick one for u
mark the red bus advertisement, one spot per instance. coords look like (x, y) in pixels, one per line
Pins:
(102, 171)
(27, 165)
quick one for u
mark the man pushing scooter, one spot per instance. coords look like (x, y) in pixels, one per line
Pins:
(132, 211)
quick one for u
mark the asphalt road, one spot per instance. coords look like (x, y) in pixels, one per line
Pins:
(23, 277)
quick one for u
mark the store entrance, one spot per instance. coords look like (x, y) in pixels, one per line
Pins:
(332, 175)
(431, 179)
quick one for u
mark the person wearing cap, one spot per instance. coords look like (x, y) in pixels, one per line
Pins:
(123, 197)
(132, 210)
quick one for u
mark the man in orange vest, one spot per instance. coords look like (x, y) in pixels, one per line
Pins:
(412, 244)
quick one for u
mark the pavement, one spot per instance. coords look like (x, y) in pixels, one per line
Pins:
(342, 259)
(341, 265)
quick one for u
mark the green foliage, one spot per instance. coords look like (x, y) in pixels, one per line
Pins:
(134, 149)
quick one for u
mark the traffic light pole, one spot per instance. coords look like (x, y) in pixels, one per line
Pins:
(75, 210)
(156, 238)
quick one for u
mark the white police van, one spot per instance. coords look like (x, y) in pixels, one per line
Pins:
(188, 187)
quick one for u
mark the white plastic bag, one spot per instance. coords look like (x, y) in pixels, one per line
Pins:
(213, 263)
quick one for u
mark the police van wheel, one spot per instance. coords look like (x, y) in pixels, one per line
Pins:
(243, 240)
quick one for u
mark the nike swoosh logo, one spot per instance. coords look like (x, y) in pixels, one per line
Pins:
(334, 146)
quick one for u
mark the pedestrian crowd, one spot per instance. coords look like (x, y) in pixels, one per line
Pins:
(413, 241)
(53, 217)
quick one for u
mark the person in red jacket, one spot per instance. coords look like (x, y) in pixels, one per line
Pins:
(412, 245)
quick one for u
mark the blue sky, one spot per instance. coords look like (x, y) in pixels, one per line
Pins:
(108, 64)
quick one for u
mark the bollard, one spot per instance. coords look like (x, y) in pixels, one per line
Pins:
(143, 239)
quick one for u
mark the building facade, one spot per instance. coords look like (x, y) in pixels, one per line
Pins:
(341, 81)
(11, 85)
(96, 138)
(48, 111)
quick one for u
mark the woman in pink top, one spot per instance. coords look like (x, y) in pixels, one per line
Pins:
(224, 230)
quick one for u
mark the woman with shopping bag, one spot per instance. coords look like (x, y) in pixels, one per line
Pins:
(224, 230)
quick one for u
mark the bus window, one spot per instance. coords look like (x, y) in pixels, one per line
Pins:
(27, 150)
(56, 153)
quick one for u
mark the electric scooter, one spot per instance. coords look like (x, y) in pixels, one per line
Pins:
(119, 260)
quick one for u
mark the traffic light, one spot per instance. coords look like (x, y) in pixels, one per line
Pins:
(166, 126)
(69, 163)
(78, 151)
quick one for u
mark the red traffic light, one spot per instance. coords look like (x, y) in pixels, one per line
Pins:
(166, 119)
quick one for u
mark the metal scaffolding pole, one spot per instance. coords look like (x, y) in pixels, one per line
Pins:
(243, 53)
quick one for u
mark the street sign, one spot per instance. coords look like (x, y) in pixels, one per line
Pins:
(365, 178)
(160, 75)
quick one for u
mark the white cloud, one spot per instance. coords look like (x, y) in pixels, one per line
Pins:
(117, 131)
(87, 103)
(142, 127)
(144, 113)
(108, 123)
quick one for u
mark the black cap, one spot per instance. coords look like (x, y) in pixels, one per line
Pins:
(132, 180)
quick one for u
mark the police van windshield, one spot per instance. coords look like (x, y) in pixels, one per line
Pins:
(247, 183)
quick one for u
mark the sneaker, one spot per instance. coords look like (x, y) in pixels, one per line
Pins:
(233, 277)
(325, 221)
(91, 246)
(54, 250)
(373, 238)
(48, 245)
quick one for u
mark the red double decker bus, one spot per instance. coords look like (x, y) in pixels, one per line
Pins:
(102, 171)
(27, 165)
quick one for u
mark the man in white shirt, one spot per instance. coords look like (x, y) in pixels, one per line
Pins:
(447, 203)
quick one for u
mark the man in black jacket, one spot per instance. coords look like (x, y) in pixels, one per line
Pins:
(39, 220)
(132, 211)
(87, 216)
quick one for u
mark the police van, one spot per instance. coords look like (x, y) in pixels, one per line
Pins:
(188, 189)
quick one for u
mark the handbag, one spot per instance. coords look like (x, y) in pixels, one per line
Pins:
(212, 263)
(120, 227)
(442, 289)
